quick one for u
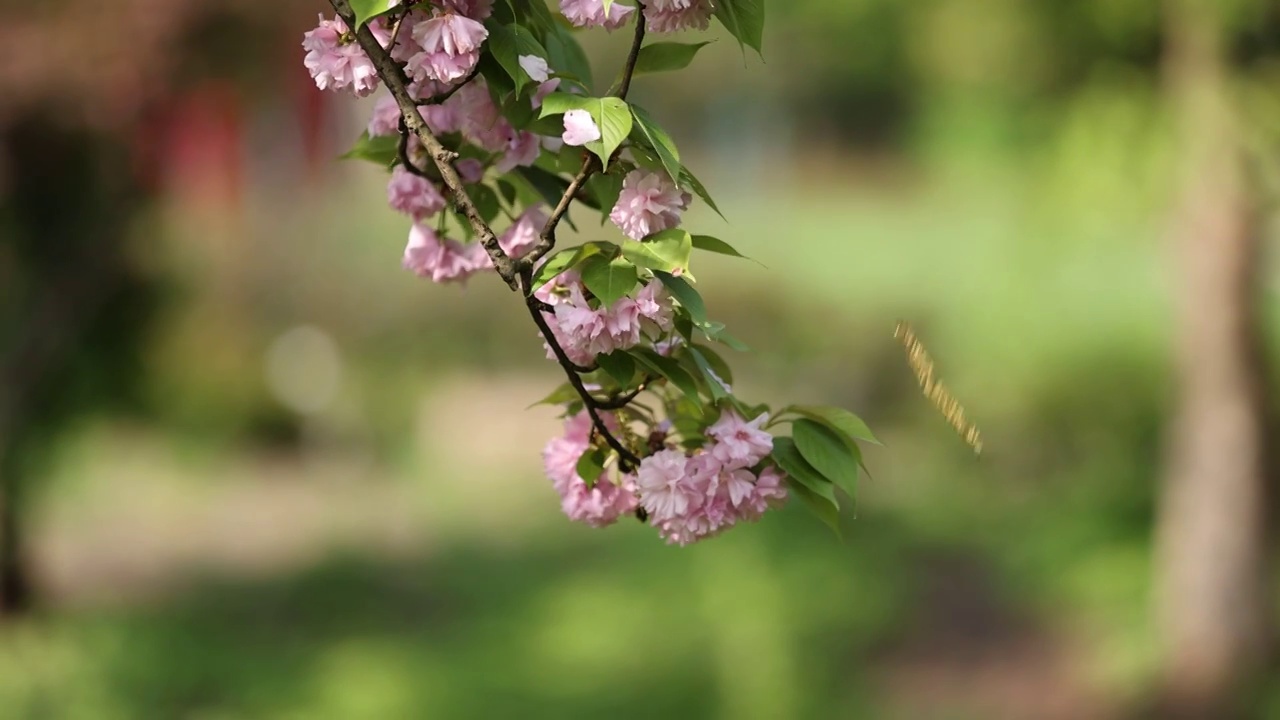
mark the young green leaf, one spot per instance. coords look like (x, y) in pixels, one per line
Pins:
(559, 396)
(608, 279)
(715, 382)
(684, 294)
(687, 179)
(716, 362)
(558, 103)
(591, 466)
(382, 150)
(666, 251)
(666, 56)
(564, 53)
(669, 369)
(508, 43)
(845, 423)
(652, 135)
(793, 463)
(744, 19)
(613, 117)
(367, 10)
(619, 365)
(825, 509)
(567, 259)
(716, 245)
(828, 453)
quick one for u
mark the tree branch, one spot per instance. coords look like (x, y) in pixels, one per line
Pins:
(393, 77)
(547, 241)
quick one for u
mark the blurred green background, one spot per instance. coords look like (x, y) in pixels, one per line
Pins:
(269, 474)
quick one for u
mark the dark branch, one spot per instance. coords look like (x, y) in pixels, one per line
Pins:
(393, 77)
(627, 461)
(547, 240)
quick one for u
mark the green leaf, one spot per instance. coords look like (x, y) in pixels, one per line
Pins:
(508, 43)
(565, 54)
(383, 150)
(788, 457)
(716, 362)
(669, 369)
(684, 294)
(744, 19)
(550, 186)
(666, 56)
(613, 117)
(715, 382)
(619, 365)
(716, 245)
(828, 453)
(591, 466)
(845, 423)
(367, 10)
(652, 135)
(687, 179)
(826, 510)
(667, 251)
(558, 103)
(605, 188)
(608, 279)
(559, 396)
(567, 259)
(486, 201)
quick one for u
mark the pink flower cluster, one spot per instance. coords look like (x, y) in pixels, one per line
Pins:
(649, 203)
(675, 15)
(584, 331)
(599, 505)
(335, 61)
(660, 15)
(690, 498)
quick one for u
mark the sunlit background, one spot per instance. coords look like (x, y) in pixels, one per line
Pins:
(260, 471)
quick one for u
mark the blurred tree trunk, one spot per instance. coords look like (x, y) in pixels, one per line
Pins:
(1213, 536)
(15, 578)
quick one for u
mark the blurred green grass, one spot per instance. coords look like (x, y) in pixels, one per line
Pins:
(1054, 345)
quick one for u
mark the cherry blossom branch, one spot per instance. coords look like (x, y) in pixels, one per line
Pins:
(547, 241)
(393, 77)
(627, 461)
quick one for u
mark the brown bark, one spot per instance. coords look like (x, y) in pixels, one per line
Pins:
(1212, 537)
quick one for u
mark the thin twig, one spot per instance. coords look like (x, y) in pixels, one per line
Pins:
(393, 77)
(547, 241)
(627, 461)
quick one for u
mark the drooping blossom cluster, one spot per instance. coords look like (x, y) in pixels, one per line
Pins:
(687, 497)
(602, 503)
(661, 16)
(585, 329)
(652, 428)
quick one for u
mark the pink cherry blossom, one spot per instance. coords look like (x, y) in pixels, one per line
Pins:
(522, 150)
(441, 119)
(474, 9)
(663, 484)
(535, 67)
(470, 170)
(590, 13)
(543, 90)
(579, 128)
(769, 491)
(413, 195)
(649, 203)
(481, 121)
(599, 505)
(441, 260)
(386, 117)
(450, 47)
(674, 15)
(335, 61)
(738, 443)
(523, 235)
(654, 305)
